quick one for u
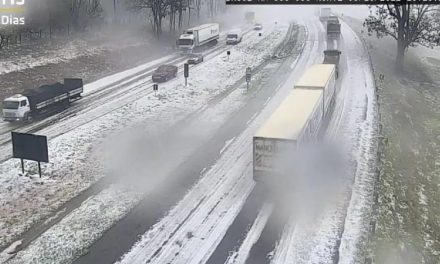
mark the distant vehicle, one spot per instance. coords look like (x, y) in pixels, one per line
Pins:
(333, 28)
(196, 37)
(164, 73)
(297, 121)
(258, 26)
(332, 57)
(195, 58)
(250, 17)
(234, 37)
(324, 14)
(333, 19)
(35, 101)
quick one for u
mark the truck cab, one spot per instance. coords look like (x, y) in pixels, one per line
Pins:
(16, 108)
(186, 42)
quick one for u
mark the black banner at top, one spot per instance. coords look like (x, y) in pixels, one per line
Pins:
(328, 2)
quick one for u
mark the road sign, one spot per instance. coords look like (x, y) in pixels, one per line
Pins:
(29, 147)
(228, 53)
(186, 70)
(248, 76)
(259, 34)
(155, 87)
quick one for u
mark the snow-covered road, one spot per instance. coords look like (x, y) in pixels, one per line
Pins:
(213, 203)
(172, 104)
(108, 104)
(338, 235)
(212, 112)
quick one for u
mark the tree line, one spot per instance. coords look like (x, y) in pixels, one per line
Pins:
(409, 24)
(49, 16)
(174, 10)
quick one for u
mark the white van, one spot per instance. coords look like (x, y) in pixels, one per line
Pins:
(234, 37)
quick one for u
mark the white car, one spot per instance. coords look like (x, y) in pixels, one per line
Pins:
(258, 26)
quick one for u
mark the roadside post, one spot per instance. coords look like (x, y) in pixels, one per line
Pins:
(259, 34)
(248, 77)
(29, 147)
(228, 53)
(155, 88)
(186, 72)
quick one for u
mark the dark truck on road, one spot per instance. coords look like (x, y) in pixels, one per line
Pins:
(332, 57)
(333, 28)
(47, 98)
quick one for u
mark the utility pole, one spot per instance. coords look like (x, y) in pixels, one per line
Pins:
(114, 11)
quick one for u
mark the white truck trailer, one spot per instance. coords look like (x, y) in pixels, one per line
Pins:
(324, 14)
(297, 121)
(197, 37)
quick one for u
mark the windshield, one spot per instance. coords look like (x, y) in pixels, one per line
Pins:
(232, 36)
(185, 42)
(10, 105)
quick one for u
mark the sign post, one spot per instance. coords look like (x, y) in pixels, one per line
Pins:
(30, 147)
(248, 77)
(228, 53)
(186, 73)
(155, 88)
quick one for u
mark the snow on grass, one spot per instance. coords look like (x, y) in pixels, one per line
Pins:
(75, 232)
(50, 56)
(361, 130)
(74, 163)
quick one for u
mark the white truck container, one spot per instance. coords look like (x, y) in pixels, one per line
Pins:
(196, 37)
(298, 120)
(325, 13)
(321, 77)
(234, 37)
(275, 144)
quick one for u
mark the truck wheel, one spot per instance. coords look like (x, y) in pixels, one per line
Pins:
(28, 118)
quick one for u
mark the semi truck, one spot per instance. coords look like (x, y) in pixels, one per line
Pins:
(46, 98)
(324, 13)
(333, 28)
(196, 37)
(297, 121)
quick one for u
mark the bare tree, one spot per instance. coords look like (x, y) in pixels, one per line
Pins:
(198, 7)
(409, 24)
(158, 10)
